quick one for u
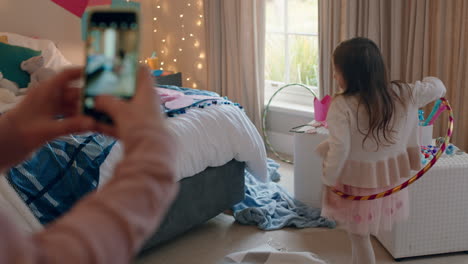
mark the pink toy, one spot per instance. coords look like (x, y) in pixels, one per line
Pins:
(321, 108)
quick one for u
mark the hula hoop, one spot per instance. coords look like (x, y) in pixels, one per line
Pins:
(265, 113)
(415, 177)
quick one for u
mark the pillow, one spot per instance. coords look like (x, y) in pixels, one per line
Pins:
(53, 57)
(11, 58)
(4, 39)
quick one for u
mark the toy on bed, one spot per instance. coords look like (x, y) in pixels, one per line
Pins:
(35, 67)
(8, 90)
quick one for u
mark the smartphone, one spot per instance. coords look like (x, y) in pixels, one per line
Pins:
(111, 58)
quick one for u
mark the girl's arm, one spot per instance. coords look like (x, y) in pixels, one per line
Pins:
(339, 141)
(428, 90)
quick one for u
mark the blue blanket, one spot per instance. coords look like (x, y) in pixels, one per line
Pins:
(270, 207)
(60, 173)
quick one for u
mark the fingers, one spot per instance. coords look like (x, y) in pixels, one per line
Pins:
(110, 105)
(70, 101)
(67, 126)
(64, 78)
(71, 94)
(106, 129)
(144, 92)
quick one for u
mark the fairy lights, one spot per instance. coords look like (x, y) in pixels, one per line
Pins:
(179, 27)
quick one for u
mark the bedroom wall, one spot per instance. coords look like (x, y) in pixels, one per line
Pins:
(178, 35)
(43, 18)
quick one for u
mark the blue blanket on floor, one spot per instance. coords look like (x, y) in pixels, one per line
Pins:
(270, 207)
(60, 173)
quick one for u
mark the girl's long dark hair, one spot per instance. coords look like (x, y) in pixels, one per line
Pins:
(360, 62)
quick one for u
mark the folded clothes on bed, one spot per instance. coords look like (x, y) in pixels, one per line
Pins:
(60, 173)
(270, 207)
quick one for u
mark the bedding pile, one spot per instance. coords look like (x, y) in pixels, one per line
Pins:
(271, 207)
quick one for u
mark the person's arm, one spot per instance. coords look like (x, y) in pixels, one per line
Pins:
(110, 225)
(338, 142)
(428, 90)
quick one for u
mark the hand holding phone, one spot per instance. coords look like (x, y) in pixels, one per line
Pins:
(140, 115)
(112, 58)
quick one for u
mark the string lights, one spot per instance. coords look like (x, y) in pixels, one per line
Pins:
(175, 44)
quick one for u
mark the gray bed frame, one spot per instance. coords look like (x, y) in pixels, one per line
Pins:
(201, 197)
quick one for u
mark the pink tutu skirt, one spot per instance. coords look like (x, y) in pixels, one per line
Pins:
(365, 217)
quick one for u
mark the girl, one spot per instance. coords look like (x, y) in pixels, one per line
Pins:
(373, 142)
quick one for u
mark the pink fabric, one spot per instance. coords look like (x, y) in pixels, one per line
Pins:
(110, 225)
(167, 91)
(176, 100)
(76, 7)
(366, 217)
(167, 98)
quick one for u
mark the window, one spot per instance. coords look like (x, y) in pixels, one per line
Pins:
(291, 49)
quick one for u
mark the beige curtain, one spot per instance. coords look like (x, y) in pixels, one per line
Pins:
(235, 38)
(417, 38)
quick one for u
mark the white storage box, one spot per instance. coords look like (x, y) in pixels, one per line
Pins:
(308, 167)
(438, 221)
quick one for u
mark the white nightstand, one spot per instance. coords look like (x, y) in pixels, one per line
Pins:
(308, 167)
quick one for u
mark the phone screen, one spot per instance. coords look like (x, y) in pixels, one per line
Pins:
(112, 58)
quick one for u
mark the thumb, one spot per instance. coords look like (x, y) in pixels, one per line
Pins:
(109, 105)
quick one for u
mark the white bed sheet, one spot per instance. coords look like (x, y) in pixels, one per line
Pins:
(208, 137)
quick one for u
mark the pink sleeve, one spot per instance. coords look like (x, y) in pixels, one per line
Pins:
(110, 225)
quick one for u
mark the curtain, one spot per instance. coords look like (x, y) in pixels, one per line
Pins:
(417, 38)
(235, 39)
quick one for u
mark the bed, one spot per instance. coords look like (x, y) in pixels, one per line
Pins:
(216, 144)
